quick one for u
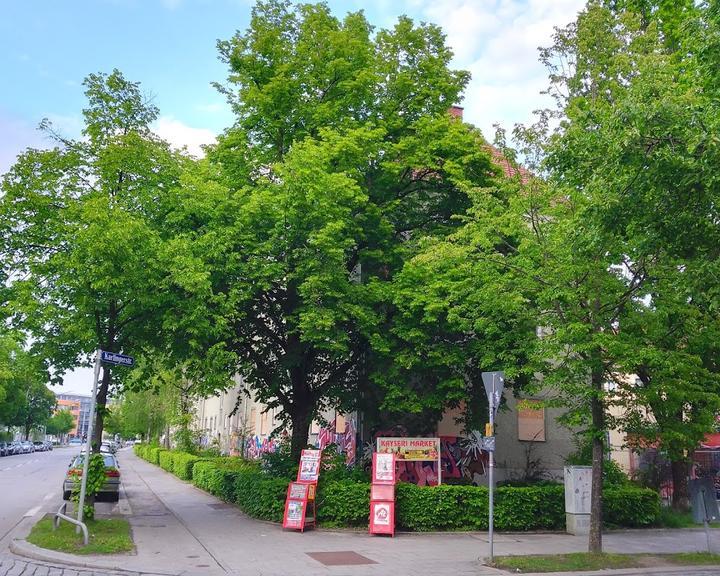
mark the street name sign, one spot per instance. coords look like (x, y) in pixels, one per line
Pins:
(119, 359)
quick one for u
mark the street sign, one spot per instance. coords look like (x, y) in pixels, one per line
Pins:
(113, 358)
(494, 383)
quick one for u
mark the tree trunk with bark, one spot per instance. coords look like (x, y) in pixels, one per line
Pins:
(100, 403)
(598, 458)
(680, 473)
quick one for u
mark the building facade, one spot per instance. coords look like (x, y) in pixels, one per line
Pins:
(83, 411)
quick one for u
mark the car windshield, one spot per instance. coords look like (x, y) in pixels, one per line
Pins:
(109, 460)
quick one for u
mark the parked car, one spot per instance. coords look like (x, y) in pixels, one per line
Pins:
(4, 449)
(48, 445)
(111, 488)
(15, 448)
(40, 446)
(28, 447)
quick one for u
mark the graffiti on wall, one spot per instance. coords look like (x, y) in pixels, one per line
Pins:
(256, 446)
(344, 441)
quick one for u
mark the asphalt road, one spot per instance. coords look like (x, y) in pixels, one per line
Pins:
(29, 485)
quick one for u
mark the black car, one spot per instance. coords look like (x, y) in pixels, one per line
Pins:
(4, 449)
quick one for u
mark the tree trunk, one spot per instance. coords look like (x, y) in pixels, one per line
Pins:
(300, 420)
(598, 459)
(680, 473)
(100, 403)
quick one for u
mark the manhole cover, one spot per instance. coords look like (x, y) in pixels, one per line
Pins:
(343, 558)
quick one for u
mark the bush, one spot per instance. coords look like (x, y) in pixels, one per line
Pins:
(166, 459)
(344, 503)
(631, 507)
(183, 464)
(259, 495)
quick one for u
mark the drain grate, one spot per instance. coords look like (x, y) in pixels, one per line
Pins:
(340, 558)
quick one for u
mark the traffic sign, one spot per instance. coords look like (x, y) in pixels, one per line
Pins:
(113, 358)
(494, 383)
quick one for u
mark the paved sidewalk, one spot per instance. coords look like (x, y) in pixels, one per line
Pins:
(179, 529)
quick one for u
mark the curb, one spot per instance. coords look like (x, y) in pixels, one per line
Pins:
(25, 549)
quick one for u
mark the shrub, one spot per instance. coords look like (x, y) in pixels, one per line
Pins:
(183, 464)
(218, 476)
(630, 506)
(166, 459)
(344, 503)
(259, 495)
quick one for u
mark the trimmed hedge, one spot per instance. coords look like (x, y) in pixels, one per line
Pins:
(418, 508)
(631, 507)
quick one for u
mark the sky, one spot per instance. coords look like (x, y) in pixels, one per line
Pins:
(47, 47)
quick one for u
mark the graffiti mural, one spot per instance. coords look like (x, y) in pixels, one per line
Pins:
(256, 446)
(344, 441)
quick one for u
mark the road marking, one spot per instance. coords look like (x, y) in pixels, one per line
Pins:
(32, 511)
(49, 496)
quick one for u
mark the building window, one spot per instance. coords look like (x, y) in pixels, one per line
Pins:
(531, 421)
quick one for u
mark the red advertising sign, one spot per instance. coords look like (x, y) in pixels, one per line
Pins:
(382, 517)
(309, 470)
(300, 499)
(382, 494)
(294, 514)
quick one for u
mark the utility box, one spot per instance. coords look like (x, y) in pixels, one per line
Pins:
(578, 491)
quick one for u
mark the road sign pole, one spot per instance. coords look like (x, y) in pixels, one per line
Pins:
(88, 443)
(491, 472)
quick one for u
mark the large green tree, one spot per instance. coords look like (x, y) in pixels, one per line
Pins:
(79, 232)
(342, 153)
(608, 243)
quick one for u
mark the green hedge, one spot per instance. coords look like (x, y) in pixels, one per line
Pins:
(166, 460)
(631, 506)
(418, 508)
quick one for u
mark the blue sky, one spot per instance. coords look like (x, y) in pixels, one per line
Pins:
(47, 47)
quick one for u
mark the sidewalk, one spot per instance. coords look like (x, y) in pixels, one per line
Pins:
(179, 529)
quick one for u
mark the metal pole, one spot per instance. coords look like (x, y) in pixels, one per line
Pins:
(491, 472)
(83, 482)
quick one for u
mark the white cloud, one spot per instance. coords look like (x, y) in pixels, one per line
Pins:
(16, 137)
(497, 40)
(181, 135)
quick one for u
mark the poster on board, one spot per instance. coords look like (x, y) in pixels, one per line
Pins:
(382, 517)
(294, 514)
(309, 470)
(383, 468)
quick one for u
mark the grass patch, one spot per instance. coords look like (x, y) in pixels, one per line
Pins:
(585, 561)
(106, 536)
(693, 558)
(669, 518)
(565, 562)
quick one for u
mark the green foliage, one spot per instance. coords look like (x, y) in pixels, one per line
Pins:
(344, 503)
(183, 464)
(631, 507)
(88, 214)
(280, 463)
(260, 496)
(166, 460)
(60, 423)
(95, 481)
